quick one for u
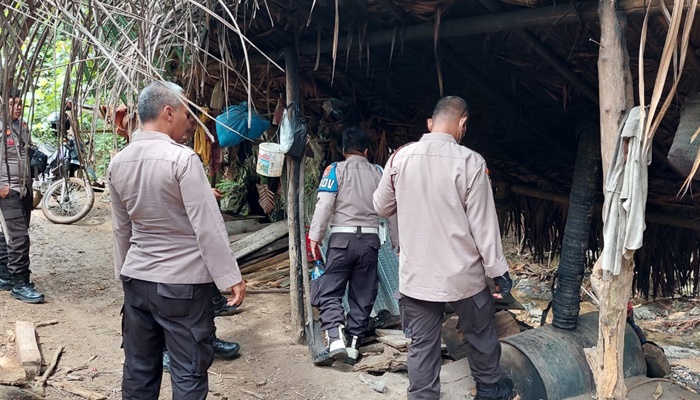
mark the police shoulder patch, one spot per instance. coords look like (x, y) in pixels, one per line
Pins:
(329, 181)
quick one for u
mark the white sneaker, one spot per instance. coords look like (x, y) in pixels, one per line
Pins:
(353, 350)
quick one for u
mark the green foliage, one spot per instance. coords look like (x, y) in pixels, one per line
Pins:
(104, 145)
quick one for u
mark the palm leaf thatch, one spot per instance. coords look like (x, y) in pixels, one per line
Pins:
(117, 46)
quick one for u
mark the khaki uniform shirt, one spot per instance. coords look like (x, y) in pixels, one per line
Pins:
(448, 227)
(167, 225)
(345, 198)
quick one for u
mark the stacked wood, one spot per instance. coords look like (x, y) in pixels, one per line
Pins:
(262, 252)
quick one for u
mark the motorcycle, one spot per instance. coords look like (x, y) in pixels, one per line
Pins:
(61, 183)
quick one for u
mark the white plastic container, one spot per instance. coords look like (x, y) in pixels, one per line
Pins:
(270, 160)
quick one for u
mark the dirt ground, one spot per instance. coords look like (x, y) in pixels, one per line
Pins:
(72, 266)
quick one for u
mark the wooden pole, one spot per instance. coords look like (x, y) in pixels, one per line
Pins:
(613, 291)
(294, 217)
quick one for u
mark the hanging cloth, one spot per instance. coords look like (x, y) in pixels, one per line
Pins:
(625, 195)
(202, 145)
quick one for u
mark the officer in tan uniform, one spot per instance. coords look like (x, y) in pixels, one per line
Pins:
(450, 243)
(345, 200)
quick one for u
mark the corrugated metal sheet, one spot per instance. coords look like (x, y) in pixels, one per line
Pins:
(388, 269)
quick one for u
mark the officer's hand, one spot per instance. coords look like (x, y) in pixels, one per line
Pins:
(5, 191)
(218, 194)
(315, 250)
(237, 294)
(503, 286)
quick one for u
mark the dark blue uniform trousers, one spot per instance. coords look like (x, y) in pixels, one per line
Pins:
(181, 317)
(422, 322)
(14, 253)
(351, 261)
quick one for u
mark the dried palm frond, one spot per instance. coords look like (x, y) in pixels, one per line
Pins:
(117, 46)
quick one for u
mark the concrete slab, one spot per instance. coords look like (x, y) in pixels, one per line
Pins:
(456, 381)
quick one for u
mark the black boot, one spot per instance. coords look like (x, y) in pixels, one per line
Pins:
(24, 290)
(335, 349)
(225, 349)
(6, 281)
(221, 307)
(166, 361)
(501, 390)
(222, 349)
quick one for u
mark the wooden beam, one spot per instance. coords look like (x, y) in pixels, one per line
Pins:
(259, 239)
(26, 347)
(556, 14)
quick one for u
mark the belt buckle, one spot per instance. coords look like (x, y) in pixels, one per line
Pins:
(356, 229)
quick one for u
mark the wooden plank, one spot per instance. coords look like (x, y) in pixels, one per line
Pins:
(75, 389)
(11, 372)
(237, 236)
(26, 347)
(265, 263)
(243, 226)
(259, 239)
(269, 250)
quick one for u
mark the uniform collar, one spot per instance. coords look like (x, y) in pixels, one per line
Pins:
(356, 157)
(151, 135)
(438, 136)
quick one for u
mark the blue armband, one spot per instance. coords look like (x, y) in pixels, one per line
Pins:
(329, 182)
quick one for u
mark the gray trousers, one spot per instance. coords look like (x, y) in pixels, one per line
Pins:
(14, 253)
(422, 322)
(351, 259)
(180, 317)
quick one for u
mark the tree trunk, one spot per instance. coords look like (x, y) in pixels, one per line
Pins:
(295, 214)
(567, 297)
(615, 83)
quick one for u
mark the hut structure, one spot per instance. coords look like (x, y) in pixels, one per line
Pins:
(531, 72)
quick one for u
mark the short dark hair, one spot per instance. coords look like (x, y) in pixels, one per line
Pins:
(452, 107)
(14, 92)
(355, 139)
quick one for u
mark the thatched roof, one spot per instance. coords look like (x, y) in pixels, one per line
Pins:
(528, 68)
(529, 72)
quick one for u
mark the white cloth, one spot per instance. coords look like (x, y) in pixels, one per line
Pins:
(626, 189)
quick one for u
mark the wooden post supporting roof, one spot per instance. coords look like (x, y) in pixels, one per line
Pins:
(297, 242)
(613, 291)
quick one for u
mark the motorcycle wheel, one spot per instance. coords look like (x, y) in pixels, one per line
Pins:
(67, 201)
(36, 200)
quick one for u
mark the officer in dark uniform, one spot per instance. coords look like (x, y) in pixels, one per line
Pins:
(345, 201)
(16, 205)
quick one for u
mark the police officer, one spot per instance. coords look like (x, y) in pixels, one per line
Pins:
(170, 243)
(451, 242)
(345, 200)
(16, 205)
